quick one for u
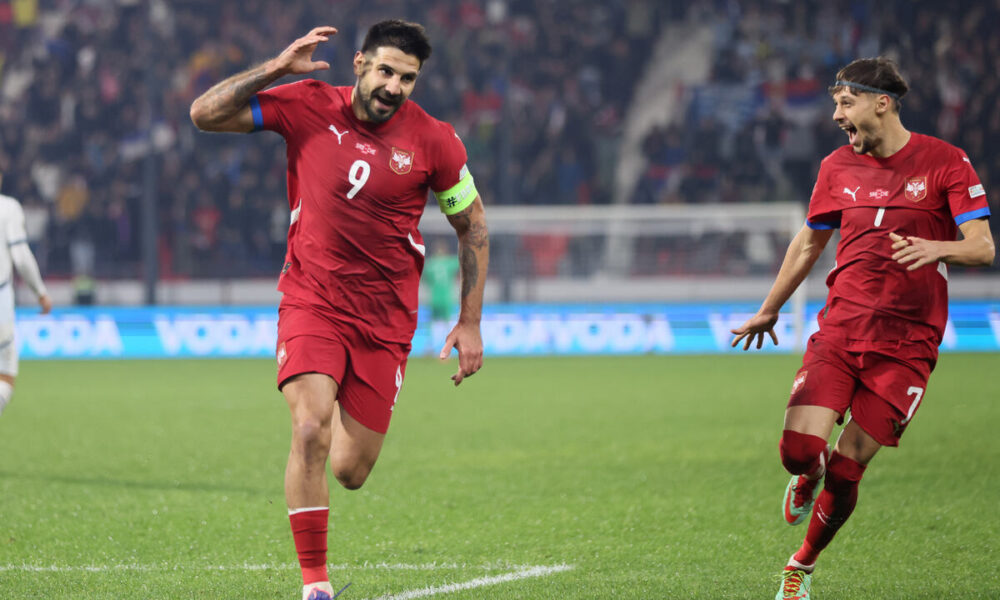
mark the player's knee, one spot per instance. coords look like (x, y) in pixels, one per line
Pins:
(312, 435)
(842, 474)
(353, 476)
(800, 452)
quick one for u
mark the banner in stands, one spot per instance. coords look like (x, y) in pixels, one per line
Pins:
(522, 329)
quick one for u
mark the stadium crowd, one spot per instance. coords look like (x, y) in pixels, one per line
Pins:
(89, 90)
(77, 79)
(759, 126)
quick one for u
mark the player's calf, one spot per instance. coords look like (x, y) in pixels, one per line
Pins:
(309, 530)
(833, 507)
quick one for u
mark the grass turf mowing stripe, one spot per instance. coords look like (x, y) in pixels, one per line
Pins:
(539, 571)
(433, 566)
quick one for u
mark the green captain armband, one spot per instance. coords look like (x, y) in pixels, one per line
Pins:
(459, 196)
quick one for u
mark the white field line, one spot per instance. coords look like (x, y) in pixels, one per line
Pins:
(539, 571)
(433, 566)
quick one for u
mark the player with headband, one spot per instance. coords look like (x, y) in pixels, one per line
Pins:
(900, 200)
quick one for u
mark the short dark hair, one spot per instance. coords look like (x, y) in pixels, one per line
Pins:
(878, 73)
(396, 33)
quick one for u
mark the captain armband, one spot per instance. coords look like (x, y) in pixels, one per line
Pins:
(459, 196)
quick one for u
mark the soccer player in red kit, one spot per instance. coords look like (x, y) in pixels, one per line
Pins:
(361, 160)
(899, 199)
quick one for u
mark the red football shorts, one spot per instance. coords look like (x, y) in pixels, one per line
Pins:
(881, 384)
(369, 375)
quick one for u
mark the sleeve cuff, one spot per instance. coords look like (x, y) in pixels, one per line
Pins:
(972, 214)
(258, 116)
(821, 226)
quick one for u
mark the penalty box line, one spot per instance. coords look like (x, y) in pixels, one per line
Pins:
(525, 573)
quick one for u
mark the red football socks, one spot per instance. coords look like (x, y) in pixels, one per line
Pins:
(309, 530)
(801, 453)
(833, 506)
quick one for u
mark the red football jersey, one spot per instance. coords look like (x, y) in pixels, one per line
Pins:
(926, 190)
(356, 191)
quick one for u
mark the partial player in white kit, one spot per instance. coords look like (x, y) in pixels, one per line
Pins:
(14, 254)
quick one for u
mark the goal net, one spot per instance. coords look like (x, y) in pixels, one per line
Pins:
(635, 253)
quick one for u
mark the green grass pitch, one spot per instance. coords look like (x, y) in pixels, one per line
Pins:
(652, 477)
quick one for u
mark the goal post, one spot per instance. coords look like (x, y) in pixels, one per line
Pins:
(607, 254)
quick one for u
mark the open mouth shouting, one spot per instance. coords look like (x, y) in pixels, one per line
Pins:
(851, 131)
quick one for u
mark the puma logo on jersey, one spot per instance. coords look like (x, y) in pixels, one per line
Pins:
(340, 134)
(852, 194)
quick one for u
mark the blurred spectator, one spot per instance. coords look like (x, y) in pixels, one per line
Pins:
(88, 90)
(537, 89)
(772, 64)
(84, 290)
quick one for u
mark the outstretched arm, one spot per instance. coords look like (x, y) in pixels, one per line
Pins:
(226, 105)
(474, 258)
(975, 249)
(802, 253)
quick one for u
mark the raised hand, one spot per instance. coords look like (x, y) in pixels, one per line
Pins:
(225, 106)
(297, 57)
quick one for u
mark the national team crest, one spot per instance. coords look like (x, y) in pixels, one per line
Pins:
(800, 380)
(916, 188)
(401, 161)
(281, 355)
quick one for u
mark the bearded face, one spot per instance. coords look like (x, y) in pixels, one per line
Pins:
(385, 80)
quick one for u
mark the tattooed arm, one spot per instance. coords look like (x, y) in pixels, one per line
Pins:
(226, 106)
(474, 258)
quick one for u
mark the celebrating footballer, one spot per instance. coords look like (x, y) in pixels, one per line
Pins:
(361, 160)
(900, 200)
